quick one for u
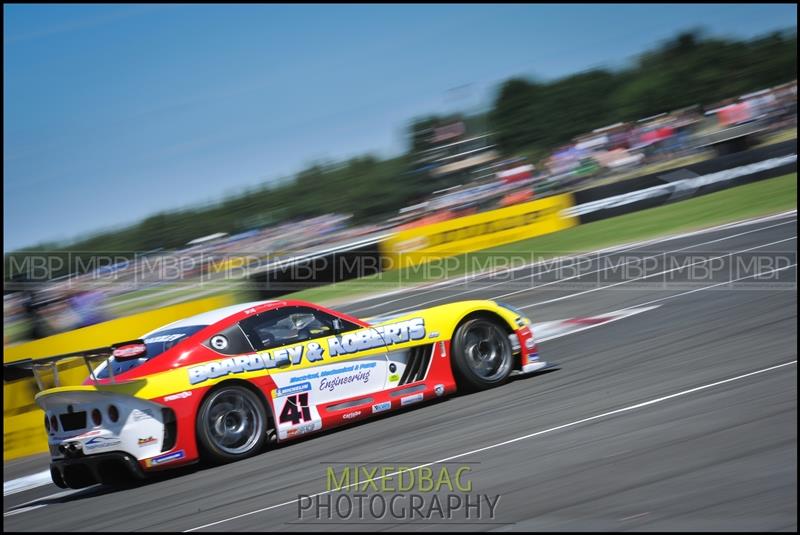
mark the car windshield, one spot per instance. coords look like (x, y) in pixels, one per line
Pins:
(156, 343)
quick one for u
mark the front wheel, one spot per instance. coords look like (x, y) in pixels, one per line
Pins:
(482, 354)
(231, 424)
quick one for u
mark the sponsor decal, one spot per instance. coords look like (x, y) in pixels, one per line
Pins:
(479, 231)
(334, 371)
(147, 441)
(408, 400)
(679, 187)
(362, 376)
(438, 390)
(380, 407)
(301, 429)
(351, 415)
(295, 409)
(392, 367)
(394, 378)
(433, 334)
(163, 459)
(219, 342)
(533, 356)
(412, 244)
(386, 335)
(315, 352)
(138, 415)
(164, 338)
(245, 363)
(179, 395)
(346, 344)
(530, 343)
(98, 443)
(292, 389)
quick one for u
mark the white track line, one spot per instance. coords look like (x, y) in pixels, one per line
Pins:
(600, 288)
(34, 504)
(26, 483)
(513, 440)
(558, 260)
(633, 310)
(21, 510)
(615, 266)
(660, 299)
(650, 305)
(430, 287)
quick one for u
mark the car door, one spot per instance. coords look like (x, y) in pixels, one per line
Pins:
(312, 380)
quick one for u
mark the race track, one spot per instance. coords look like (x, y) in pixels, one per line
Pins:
(680, 417)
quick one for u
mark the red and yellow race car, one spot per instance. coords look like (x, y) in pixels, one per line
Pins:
(223, 384)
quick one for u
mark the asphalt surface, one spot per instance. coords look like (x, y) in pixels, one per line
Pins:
(682, 417)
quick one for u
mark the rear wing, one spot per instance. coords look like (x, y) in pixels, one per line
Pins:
(41, 367)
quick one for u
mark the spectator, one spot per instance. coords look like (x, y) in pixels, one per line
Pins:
(87, 305)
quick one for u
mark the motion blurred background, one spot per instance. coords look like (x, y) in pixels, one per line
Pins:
(150, 149)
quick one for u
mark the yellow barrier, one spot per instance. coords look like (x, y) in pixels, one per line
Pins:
(23, 427)
(479, 231)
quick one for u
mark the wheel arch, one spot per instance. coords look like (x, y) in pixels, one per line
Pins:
(483, 313)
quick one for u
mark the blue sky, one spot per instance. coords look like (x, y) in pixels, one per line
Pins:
(116, 112)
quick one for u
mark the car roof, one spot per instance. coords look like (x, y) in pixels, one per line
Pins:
(210, 317)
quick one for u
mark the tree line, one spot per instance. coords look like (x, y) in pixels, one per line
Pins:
(686, 70)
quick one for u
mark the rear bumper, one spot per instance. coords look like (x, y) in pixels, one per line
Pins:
(109, 468)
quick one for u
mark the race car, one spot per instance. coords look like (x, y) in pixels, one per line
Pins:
(224, 385)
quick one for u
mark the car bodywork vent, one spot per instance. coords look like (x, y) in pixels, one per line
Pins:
(417, 365)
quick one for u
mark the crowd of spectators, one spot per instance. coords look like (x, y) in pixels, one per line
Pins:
(608, 152)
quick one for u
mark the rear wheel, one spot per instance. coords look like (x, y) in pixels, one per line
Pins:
(482, 354)
(231, 424)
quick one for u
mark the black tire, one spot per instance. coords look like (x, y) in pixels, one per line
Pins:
(55, 475)
(231, 424)
(78, 478)
(482, 354)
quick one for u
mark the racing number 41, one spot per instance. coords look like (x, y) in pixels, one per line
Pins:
(295, 410)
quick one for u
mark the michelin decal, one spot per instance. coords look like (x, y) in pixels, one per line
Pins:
(293, 389)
